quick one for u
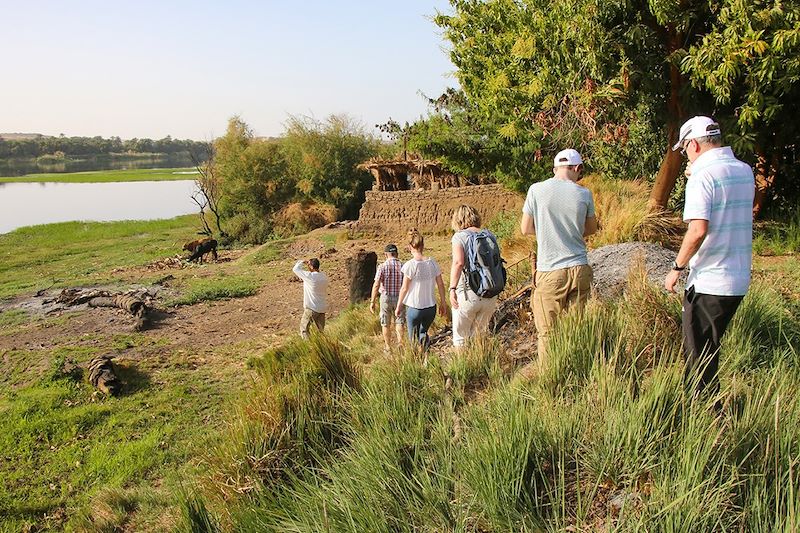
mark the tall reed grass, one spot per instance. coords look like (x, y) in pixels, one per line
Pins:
(603, 438)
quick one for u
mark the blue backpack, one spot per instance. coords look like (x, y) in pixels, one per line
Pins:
(483, 266)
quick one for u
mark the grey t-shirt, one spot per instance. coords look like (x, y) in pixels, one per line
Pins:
(559, 209)
(460, 237)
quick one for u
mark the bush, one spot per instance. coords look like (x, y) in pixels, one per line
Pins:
(504, 225)
(245, 228)
(301, 217)
(322, 157)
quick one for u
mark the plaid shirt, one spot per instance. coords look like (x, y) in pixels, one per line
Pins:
(390, 276)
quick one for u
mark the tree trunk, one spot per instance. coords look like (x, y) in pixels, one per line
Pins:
(673, 161)
(667, 174)
(361, 271)
(765, 172)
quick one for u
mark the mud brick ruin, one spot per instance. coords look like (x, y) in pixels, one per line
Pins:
(415, 193)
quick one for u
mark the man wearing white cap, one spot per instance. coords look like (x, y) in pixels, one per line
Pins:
(560, 213)
(717, 247)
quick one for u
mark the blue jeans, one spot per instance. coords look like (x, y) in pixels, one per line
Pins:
(418, 321)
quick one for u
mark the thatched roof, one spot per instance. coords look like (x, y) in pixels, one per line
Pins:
(413, 173)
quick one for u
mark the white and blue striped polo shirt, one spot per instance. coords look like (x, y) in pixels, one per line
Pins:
(559, 209)
(720, 190)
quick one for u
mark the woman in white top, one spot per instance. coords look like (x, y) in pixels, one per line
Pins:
(417, 294)
(471, 313)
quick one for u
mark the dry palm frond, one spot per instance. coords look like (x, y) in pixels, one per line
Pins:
(661, 227)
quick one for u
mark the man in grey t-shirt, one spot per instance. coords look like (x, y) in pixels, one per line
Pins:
(561, 214)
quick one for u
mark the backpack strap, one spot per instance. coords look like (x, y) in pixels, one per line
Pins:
(472, 236)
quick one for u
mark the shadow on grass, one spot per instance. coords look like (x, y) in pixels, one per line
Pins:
(34, 517)
(133, 379)
(155, 319)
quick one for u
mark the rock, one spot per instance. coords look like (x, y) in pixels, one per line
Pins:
(611, 265)
(621, 499)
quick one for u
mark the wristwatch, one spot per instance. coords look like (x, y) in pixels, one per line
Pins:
(676, 267)
(452, 288)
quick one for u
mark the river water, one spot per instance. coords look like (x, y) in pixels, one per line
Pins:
(21, 167)
(28, 204)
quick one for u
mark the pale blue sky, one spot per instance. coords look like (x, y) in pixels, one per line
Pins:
(153, 68)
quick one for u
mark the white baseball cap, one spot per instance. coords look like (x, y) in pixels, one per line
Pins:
(695, 128)
(567, 158)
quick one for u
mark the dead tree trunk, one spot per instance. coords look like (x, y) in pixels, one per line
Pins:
(361, 273)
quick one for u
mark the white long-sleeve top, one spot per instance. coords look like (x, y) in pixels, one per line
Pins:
(315, 288)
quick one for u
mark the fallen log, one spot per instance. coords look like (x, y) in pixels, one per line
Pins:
(126, 302)
(79, 296)
(509, 309)
(134, 302)
(102, 375)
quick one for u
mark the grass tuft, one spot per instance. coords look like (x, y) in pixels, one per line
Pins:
(220, 288)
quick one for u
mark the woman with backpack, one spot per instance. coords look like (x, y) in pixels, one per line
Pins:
(477, 275)
(420, 277)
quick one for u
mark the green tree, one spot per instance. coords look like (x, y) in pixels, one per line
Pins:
(601, 76)
(322, 157)
(253, 181)
(455, 134)
(750, 63)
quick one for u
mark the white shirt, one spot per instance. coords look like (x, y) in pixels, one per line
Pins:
(315, 288)
(422, 288)
(720, 190)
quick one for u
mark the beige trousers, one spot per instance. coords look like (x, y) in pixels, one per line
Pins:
(554, 293)
(310, 316)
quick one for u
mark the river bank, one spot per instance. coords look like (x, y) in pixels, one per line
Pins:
(106, 176)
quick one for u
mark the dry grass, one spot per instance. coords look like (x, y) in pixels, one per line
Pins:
(620, 206)
(662, 227)
(301, 217)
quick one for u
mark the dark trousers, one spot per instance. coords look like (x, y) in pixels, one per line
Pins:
(418, 322)
(705, 319)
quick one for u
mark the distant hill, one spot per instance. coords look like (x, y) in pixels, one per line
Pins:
(21, 136)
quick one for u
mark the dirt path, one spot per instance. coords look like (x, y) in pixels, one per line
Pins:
(203, 330)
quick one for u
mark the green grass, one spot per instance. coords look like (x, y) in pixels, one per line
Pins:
(332, 438)
(778, 236)
(104, 176)
(77, 253)
(13, 317)
(269, 252)
(218, 288)
(72, 458)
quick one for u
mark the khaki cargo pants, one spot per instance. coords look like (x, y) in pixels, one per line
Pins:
(310, 317)
(555, 292)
